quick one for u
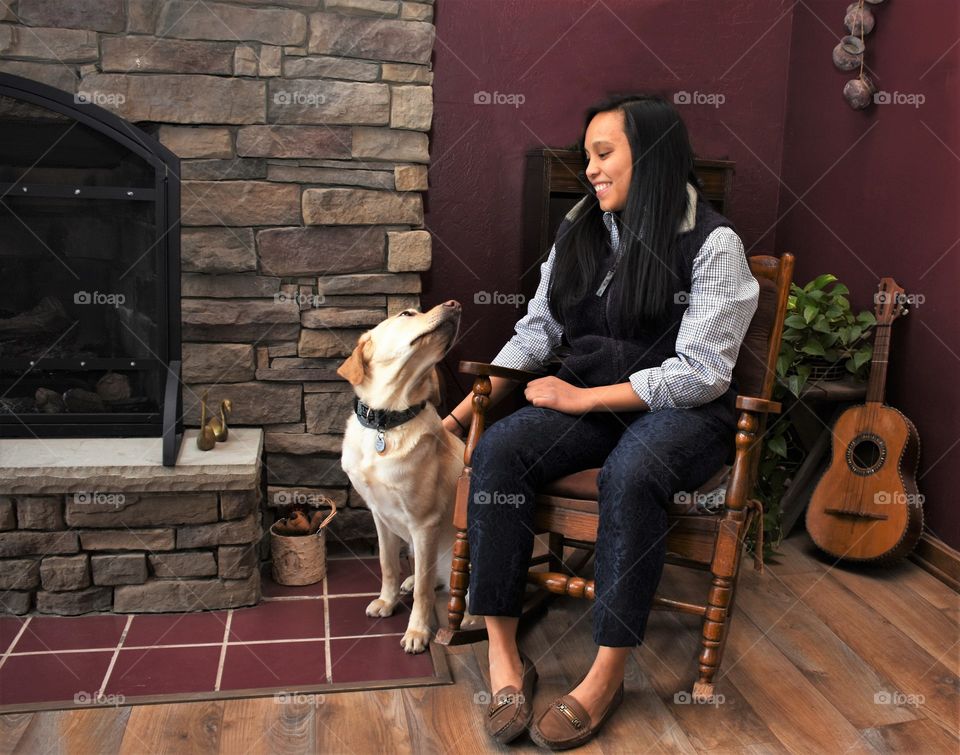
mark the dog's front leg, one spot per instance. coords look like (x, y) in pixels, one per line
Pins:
(389, 569)
(417, 636)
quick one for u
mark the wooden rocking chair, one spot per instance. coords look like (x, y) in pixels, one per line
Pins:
(567, 507)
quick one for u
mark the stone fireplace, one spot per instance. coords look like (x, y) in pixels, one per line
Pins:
(301, 132)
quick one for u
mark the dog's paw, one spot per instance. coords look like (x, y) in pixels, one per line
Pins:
(380, 608)
(415, 640)
(407, 585)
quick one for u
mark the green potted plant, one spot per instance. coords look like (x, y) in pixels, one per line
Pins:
(822, 340)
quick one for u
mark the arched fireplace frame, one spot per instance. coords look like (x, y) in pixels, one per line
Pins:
(165, 357)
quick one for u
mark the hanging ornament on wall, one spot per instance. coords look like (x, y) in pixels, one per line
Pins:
(849, 54)
(859, 92)
(859, 19)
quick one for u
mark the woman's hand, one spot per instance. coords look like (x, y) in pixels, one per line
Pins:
(553, 393)
(450, 425)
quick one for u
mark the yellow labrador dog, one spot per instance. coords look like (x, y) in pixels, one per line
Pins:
(401, 460)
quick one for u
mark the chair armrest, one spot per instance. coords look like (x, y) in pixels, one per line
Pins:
(750, 430)
(758, 405)
(482, 368)
(481, 397)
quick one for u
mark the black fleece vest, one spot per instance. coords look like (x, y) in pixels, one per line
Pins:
(595, 350)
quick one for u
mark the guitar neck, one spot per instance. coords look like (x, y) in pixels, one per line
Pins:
(877, 385)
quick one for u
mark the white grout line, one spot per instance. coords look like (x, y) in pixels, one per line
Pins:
(327, 658)
(6, 652)
(316, 639)
(282, 641)
(68, 651)
(116, 654)
(288, 598)
(223, 649)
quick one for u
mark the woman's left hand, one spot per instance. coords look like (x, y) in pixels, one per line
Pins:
(553, 393)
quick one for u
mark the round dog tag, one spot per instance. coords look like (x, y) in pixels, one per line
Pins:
(381, 443)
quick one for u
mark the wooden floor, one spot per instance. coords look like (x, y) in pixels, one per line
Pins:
(820, 660)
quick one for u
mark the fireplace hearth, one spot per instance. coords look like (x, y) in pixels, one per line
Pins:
(89, 272)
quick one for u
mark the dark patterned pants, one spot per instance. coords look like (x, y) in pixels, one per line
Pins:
(645, 459)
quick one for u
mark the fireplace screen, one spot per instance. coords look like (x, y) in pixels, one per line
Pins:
(89, 272)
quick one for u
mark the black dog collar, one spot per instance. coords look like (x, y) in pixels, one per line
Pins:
(384, 419)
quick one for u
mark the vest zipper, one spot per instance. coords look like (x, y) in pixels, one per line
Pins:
(605, 317)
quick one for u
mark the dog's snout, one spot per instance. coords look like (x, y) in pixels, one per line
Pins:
(452, 303)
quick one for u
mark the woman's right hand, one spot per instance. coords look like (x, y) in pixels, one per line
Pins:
(450, 424)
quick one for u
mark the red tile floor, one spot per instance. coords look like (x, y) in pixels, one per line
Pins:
(298, 638)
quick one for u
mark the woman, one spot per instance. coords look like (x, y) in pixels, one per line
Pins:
(651, 291)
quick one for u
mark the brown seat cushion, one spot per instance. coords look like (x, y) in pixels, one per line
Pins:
(583, 486)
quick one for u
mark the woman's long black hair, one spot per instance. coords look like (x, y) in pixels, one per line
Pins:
(656, 203)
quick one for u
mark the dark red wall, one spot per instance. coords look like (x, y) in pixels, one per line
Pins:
(892, 199)
(880, 197)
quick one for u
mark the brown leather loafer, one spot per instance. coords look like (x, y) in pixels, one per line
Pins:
(565, 723)
(511, 710)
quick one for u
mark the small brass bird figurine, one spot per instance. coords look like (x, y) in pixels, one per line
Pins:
(219, 424)
(206, 437)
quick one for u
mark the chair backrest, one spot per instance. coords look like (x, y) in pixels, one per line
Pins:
(756, 367)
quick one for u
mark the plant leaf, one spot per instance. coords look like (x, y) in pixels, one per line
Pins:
(778, 445)
(795, 321)
(822, 280)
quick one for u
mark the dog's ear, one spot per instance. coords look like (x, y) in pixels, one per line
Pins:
(434, 378)
(354, 368)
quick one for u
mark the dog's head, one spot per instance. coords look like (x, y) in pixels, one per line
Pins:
(394, 364)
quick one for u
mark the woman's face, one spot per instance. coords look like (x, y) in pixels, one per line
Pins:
(609, 159)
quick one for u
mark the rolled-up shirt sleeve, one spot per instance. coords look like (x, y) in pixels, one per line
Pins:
(723, 297)
(537, 334)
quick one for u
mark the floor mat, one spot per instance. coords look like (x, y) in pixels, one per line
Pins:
(297, 642)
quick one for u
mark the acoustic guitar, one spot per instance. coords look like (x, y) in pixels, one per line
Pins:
(865, 507)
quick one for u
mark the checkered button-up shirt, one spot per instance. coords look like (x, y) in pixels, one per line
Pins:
(722, 300)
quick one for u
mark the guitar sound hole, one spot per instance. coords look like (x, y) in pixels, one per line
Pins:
(865, 454)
